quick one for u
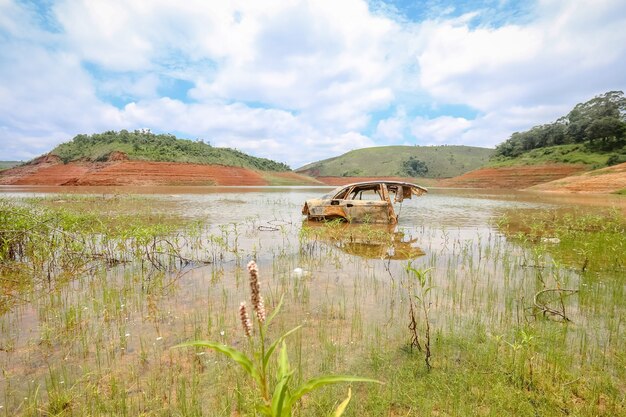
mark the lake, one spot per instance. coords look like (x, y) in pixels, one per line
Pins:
(99, 340)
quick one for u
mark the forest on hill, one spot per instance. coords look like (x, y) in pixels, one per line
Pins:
(405, 161)
(593, 132)
(146, 146)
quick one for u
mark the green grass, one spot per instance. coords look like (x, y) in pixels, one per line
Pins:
(144, 146)
(442, 161)
(562, 154)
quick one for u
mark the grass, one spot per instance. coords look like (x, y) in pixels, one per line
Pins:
(97, 341)
(442, 161)
(561, 154)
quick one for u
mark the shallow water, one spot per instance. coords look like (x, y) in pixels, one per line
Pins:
(124, 320)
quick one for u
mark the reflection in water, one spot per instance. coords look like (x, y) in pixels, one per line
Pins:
(373, 241)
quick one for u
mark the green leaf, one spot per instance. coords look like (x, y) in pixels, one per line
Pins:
(232, 353)
(281, 390)
(320, 381)
(283, 362)
(280, 396)
(273, 346)
(342, 407)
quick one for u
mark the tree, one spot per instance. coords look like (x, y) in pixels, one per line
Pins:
(413, 167)
(606, 133)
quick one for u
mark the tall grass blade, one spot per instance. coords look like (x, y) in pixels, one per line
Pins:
(318, 382)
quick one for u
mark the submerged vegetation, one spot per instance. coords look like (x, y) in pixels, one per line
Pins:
(147, 146)
(587, 242)
(519, 313)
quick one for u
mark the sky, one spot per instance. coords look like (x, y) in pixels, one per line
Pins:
(298, 81)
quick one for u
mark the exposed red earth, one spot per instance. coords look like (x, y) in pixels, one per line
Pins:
(50, 170)
(119, 171)
(512, 178)
(605, 180)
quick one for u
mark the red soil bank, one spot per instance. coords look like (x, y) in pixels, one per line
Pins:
(49, 170)
(513, 178)
(605, 180)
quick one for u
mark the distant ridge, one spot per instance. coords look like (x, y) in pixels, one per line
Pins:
(404, 161)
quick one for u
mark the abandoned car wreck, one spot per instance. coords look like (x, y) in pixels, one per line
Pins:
(363, 202)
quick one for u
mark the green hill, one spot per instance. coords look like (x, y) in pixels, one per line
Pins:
(406, 161)
(592, 133)
(146, 146)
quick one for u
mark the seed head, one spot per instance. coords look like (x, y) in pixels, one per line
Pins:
(257, 300)
(245, 320)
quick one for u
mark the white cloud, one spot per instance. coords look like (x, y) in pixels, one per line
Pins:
(441, 130)
(298, 80)
(565, 55)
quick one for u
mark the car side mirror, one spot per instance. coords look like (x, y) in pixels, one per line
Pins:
(334, 203)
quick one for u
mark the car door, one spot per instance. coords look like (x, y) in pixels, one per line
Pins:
(368, 204)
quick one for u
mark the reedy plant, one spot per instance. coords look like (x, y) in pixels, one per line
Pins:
(277, 399)
(421, 276)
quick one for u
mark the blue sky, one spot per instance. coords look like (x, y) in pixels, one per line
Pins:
(298, 81)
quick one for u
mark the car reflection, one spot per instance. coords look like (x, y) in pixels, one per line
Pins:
(372, 241)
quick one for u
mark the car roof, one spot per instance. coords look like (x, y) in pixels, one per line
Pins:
(402, 183)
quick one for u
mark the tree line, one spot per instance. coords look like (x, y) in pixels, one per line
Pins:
(599, 123)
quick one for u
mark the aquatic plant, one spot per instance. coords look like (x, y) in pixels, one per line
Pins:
(277, 399)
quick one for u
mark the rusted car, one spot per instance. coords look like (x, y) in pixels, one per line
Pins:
(362, 202)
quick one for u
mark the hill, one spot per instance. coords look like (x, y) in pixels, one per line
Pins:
(403, 161)
(50, 170)
(593, 133)
(143, 158)
(142, 145)
(591, 136)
